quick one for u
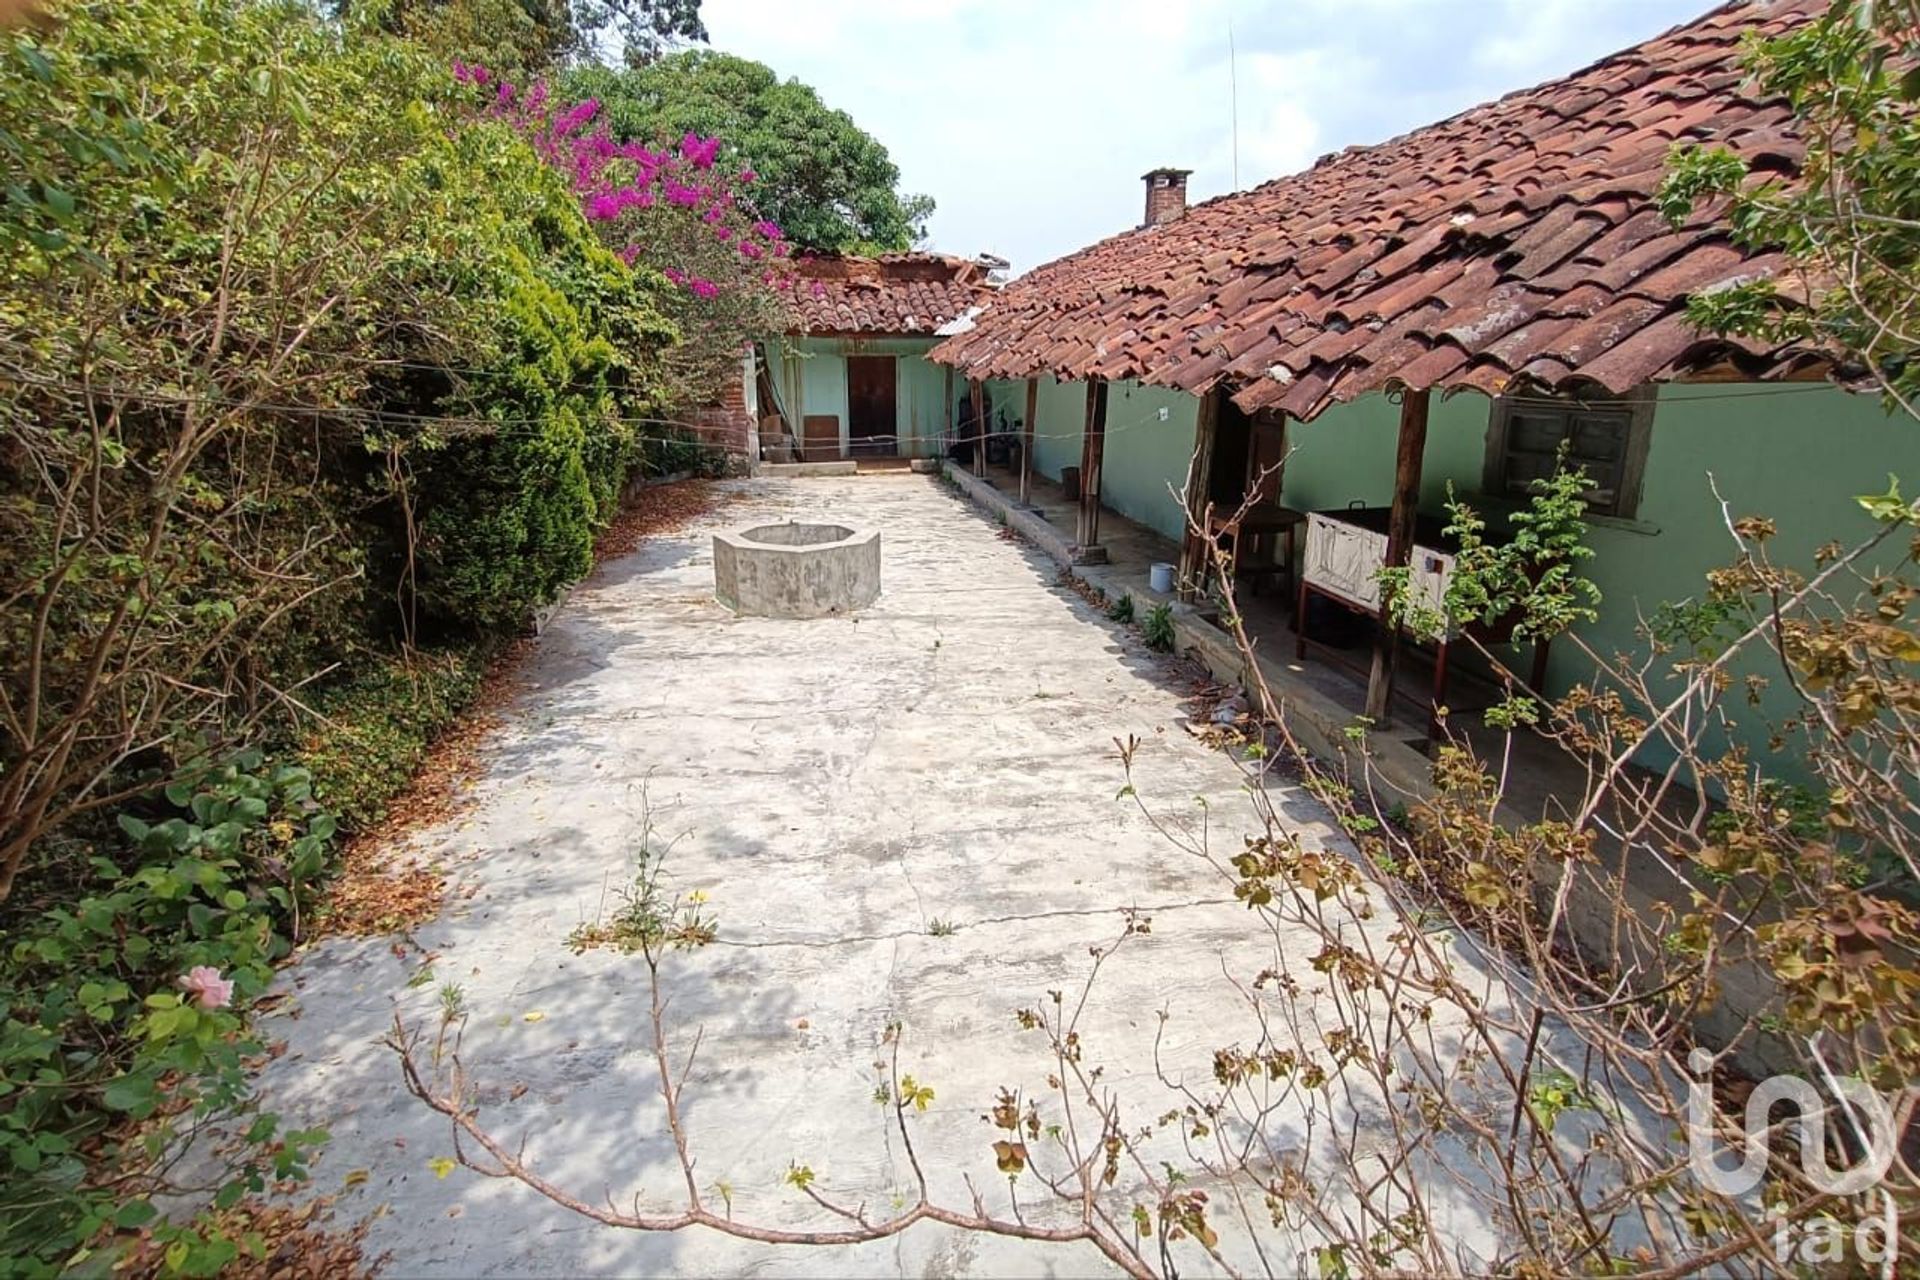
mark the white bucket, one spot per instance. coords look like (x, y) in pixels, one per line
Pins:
(1160, 577)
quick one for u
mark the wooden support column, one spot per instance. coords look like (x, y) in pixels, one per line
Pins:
(1194, 553)
(1406, 504)
(1093, 448)
(979, 427)
(1026, 445)
(946, 417)
(797, 401)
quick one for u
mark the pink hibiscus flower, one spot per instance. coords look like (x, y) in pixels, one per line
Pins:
(206, 987)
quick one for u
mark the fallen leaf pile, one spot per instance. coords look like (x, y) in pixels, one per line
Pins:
(658, 509)
(297, 1242)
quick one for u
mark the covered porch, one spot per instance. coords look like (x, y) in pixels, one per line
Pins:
(1323, 694)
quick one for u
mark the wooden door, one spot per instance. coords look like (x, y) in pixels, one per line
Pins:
(1267, 458)
(872, 406)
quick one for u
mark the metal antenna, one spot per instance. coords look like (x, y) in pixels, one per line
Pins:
(1233, 83)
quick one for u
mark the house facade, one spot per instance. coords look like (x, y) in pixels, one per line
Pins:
(1799, 453)
(852, 380)
(1453, 311)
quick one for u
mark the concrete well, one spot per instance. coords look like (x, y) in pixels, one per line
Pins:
(796, 570)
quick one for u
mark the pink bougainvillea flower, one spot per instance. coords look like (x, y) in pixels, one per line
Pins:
(675, 274)
(630, 254)
(748, 175)
(748, 249)
(698, 151)
(771, 230)
(206, 987)
(603, 208)
(704, 288)
(724, 233)
(714, 215)
(578, 116)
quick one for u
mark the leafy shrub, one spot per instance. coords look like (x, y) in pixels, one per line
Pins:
(104, 1062)
(1157, 628)
(227, 474)
(378, 725)
(1121, 610)
(565, 340)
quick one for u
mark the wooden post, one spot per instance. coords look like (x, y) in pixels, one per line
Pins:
(1406, 504)
(946, 414)
(979, 428)
(1093, 447)
(1194, 552)
(1026, 446)
(797, 377)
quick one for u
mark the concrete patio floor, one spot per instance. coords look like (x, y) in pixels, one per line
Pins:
(835, 787)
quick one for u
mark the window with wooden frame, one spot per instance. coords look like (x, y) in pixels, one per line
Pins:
(1604, 436)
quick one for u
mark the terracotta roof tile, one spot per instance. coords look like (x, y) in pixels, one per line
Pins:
(907, 293)
(1517, 239)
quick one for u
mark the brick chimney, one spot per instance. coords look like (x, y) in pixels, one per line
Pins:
(1166, 195)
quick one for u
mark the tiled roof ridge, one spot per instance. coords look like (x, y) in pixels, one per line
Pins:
(1579, 73)
(1514, 240)
(907, 292)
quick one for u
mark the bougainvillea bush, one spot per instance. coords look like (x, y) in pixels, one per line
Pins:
(674, 207)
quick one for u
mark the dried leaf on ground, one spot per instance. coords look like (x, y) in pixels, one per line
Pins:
(298, 1242)
(659, 509)
(379, 890)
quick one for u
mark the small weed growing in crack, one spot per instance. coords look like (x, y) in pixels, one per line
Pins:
(1157, 628)
(646, 916)
(938, 928)
(1122, 610)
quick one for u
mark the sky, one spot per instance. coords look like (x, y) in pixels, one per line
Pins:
(1030, 121)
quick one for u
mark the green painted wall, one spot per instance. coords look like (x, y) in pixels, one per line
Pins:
(1143, 450)
(822, 368)
(1799, 454)
(1346, 455)
(1061, 417)
(1145, 453)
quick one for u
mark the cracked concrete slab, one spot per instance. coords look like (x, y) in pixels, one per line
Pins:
(834, 786)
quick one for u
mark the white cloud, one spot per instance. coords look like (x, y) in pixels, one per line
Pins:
(1030, 124)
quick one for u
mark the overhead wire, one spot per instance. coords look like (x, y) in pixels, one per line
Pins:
(489, 427)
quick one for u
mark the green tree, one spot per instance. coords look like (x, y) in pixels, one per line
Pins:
(525, 38)
(829, 184)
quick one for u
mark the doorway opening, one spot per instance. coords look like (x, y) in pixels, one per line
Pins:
(873, 413)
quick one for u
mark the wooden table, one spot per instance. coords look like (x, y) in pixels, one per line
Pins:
(1253, 533)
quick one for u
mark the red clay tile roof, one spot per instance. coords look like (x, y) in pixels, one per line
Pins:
(1516, 241)
(910, 293)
